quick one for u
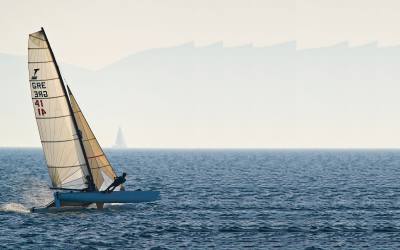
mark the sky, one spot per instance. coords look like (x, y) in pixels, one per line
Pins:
(94, 34)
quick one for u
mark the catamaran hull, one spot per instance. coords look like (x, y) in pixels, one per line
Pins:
(113, 197)
(69, 201)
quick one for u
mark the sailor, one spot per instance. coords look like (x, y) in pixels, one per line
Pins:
(117, 181)
(89, 182)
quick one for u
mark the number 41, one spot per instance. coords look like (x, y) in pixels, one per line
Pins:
(39, 103)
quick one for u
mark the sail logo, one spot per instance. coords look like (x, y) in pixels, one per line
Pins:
(34, 77)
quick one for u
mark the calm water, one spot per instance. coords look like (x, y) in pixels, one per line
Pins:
(216, 199)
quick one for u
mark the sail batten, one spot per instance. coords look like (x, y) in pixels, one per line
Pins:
(62, 149)
(78, 165)
(42, 62)
(60, 141)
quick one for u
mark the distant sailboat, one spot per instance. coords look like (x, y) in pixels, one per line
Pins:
(120, 140)
(78, 168)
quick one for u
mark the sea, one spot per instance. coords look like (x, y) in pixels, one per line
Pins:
(215, 199)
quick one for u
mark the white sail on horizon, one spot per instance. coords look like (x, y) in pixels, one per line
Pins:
(120, 140)
(60, 141)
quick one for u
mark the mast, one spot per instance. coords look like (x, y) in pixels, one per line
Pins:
(91, 185)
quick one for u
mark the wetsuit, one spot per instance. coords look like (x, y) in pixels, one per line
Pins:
(117, 181)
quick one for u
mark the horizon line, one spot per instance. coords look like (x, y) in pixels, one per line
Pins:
(227, 148)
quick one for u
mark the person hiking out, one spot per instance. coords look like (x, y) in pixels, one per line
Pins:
(117, 181)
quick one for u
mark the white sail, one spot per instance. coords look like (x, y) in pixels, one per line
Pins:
(101, 169)
(120, 140)
(62, 150)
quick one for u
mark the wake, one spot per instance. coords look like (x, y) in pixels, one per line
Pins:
(14, 208)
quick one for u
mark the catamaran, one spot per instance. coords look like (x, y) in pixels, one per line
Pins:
(78, 167)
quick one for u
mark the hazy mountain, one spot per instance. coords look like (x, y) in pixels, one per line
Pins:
(226, 96)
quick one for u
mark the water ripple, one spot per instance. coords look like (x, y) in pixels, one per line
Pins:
(215, 199)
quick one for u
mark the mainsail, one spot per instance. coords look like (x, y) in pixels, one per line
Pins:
(62, 147)
(102, 171)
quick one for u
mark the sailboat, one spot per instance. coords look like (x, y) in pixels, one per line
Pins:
(120, 140)
(78, 167)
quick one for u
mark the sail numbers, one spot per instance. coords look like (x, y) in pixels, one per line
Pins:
(38, 85)
(39, 92)
(41, 111)
(38, 89)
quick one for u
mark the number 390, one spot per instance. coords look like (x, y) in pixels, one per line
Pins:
(40, 93)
